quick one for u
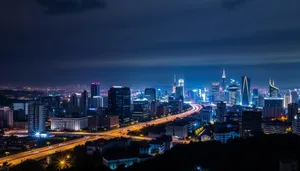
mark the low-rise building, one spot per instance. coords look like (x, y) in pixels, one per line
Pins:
(275, 127)
(110, 121)
(177, 130)
(223, 137)
(71, 124)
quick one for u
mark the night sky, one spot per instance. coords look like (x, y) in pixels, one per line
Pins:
(134, 42)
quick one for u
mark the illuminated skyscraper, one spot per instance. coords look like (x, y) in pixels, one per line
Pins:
(255, 96)
(287, 99)
(95, 89)
(84, 102)
(174, 84)
(223, 80)
(150, 94)
(74, 100)
(119, 99)
(233, 94)
(221, 111)
(274, 91)
(179, 93)
(246, 91)
(215, 92)
(36, 118)
(295, 97)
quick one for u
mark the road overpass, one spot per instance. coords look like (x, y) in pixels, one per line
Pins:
(46, 151)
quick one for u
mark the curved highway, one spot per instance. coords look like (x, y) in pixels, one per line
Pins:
(45, 151)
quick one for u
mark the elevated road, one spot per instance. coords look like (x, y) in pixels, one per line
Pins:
(45, 151)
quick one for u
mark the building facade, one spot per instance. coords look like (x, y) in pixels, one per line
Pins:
(246, 96)
(273, 108)
(150, 94)
(6, 117)
(119, 100)
(36, 118)
(251, 123)
(292, 111)
(70, 124)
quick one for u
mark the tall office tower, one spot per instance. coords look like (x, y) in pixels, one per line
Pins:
(150, 94)
(233, 94)
(250, 123)
(95, 89)
(36, 118)
(181, 84)
(179, 93)
(215, 92)
(274, 91)
(261, 101)
(287, 99)
(6, 117)
(159, 94)
(246, 91)
(273, 108)
(84, 103)
(255, 96)
(221, 111)
(119, 99)
(74, 100)
(295, 97)
(174, 85)
(223, 80)
(140, 109)
(292, 111)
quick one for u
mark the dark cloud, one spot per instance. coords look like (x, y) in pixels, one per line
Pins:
(133, 35)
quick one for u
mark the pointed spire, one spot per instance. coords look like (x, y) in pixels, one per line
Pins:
(270, 82)
(223, 74)
(273, 83)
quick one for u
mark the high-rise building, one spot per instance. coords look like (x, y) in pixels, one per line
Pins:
(119, 99)
(261, 101)
(179, 93)
(296, 124)
(150, 94)
(215, 92)
(287, 99)
(181, 84)
(292, 111)
(255, 96)
(95, 89)
(221, 111)
(84, 102)
(223, 86)
(140, 109)
(97, 102)
(233, 94)
(246, 91)
(206, 114)
(74, 100)
(250, 123)
(36, 118)
(274, 91)
(295, 97)
(6, 117)
(174, 84)
(273, 108)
